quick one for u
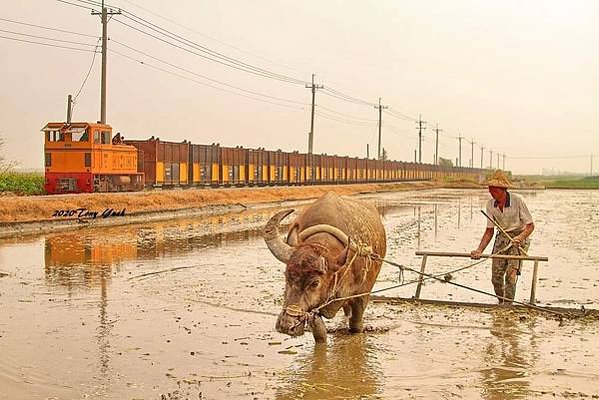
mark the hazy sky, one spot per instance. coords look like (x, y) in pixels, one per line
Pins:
(519, 77)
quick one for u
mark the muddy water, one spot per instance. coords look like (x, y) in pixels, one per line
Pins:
(187, 309)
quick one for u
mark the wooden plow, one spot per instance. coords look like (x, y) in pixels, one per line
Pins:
(559, 311)
(535, 259)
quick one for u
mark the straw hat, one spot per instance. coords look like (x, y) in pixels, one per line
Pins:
(499, 179)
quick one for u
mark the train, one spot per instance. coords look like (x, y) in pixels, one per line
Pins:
(83, 157)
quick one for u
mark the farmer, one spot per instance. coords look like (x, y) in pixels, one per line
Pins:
(509, 211)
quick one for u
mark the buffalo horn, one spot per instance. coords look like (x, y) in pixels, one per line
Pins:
(281, 250)
(338, 233)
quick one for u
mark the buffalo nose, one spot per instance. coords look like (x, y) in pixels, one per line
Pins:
(292, 326)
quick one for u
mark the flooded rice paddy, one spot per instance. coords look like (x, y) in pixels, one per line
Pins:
(186, 309)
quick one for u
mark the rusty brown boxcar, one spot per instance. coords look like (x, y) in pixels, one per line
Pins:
(278, 162)
(326, 168)
(297, 168)
(233, 160)
(342, 168)
(313, 164)
(257, 166)
(204, 164)
(352, 169)
(164, 163)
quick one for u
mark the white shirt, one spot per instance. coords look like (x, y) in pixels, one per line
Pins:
(515, 215)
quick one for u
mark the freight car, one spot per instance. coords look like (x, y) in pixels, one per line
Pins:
(83, 157)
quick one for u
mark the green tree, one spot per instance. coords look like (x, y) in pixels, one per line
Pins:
(384, 155)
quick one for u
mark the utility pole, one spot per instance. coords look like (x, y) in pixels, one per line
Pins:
(420, 129)
(437, 130)
(503, 162)
(460, 147)
(472, 154)
(491, 159)
(104, 16)
(367, 151)
(497, 160)
(311, 134)
(70, 110)
(380, 108)
(482, 149)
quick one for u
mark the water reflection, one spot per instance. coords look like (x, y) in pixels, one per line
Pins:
(347, 368)
(419, 231)
(459, 211)
(436, 225)
(471, 207)
(512, 356)
(104, 330)
(88, 258)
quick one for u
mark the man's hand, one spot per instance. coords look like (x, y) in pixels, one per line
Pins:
(517, 241)
(475, 254)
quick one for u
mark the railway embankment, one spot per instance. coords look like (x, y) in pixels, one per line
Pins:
(25, 215)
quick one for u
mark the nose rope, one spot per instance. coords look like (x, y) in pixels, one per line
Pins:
(293, 310)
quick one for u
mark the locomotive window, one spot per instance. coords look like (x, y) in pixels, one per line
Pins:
(106, 137)
(80, 135)
(48, 159)
(96, 136)
(88, 159)
(55, 136)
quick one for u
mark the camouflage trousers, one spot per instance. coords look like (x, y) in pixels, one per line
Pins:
(505, 272)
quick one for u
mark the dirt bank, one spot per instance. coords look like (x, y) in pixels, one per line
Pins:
(38, 214)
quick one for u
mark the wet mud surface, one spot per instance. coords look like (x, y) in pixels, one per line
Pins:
(186, 309)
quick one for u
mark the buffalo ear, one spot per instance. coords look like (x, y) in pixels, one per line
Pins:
(293, 237)
(321, 265)
(342, 257)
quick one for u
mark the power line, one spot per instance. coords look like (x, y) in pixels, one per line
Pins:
(345, 115)
(47, 38)
(201, 83)
(345, 121)
(74, 101)
(400, 115)
(339, 97)
(208, 53)
(211, 38)
(76, 5)
(47, 28)
(205, 77)
(213, 53)
(201, 55)
(47, 44)
(349, 98)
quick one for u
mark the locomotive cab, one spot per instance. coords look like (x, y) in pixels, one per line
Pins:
(83, 157)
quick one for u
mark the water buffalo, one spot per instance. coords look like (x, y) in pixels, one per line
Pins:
(326, 256)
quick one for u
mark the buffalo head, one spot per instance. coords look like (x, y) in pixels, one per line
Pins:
(310, 274)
